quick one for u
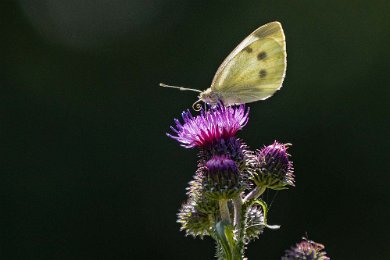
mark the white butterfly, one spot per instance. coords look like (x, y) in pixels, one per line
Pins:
(253, 71)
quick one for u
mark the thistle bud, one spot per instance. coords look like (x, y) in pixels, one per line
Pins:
(254, 224)
(197, 217)
(275, 170)
(306, 249)
(222, 178)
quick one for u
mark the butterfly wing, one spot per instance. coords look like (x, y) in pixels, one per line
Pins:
(255, 69)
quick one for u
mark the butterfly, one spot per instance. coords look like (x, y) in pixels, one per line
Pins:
(253, 71)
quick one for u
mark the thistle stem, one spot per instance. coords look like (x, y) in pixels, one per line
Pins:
(254, 194)
(224, 211)
(237, 203)
(238, 233)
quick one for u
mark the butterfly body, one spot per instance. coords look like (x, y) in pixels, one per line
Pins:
(253, 71)
(210, 97)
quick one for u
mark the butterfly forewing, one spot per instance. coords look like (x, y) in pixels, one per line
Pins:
(255, 69)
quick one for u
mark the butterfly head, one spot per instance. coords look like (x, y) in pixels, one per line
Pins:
(210, 97)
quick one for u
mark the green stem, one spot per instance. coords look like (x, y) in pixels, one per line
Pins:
(254, 194)
(224, 211)
(225, 231)
(236, 254)
(238, 232)
(237, 203)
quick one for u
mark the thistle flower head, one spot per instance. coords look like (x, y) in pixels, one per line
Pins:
(275, 170)
(221, 164)
(210, 126)
(197, 217)
(254, 224)
(221, 178)
(306, 250)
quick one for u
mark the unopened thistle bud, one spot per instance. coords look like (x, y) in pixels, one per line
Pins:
(222, 178)
(196, 217)
(275, 170)
(306, 250)
(254, 224)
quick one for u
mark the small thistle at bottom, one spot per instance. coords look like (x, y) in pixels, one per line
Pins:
(306, 250)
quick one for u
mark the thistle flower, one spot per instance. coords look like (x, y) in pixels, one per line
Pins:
(275, 170)
(223, 196)
(306, 250)
(218, 123)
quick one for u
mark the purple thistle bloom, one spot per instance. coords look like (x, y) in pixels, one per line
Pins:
(215, 124)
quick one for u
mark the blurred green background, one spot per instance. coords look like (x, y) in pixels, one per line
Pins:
(88, 173)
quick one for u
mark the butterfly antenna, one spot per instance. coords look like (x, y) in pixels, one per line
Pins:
(180, 88)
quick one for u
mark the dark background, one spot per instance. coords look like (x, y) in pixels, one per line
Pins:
(88, 173)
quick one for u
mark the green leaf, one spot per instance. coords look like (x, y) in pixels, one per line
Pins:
(225, 237)
(263, 204)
